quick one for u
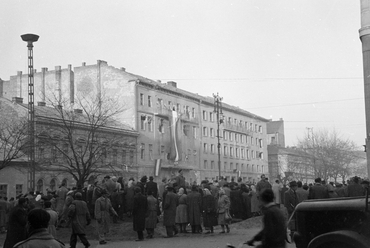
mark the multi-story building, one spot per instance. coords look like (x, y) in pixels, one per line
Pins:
(177, 129)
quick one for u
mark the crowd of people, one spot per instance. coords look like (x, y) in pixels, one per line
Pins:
(183, 207)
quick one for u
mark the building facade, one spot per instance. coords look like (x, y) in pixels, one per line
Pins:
(177, 129)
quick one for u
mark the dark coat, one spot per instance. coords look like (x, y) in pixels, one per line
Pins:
(17, 230)
(273, 233)
(194, 207)
(129, 199)
(152, 186)
(318, 191)
(209, 211)
(354, 189)
(40, 238)
(247, 207)
(171, 201)
(139, 212)
(290, 200)
(80, 216)
(152, 212)
(236, 203)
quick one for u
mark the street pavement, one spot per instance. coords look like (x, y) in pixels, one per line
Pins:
(235, 237)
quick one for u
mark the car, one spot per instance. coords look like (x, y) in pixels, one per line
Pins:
(335, 222)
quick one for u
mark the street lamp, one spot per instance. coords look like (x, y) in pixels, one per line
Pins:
(219, 116)
(30, 38)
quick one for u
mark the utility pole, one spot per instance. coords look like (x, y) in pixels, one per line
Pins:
(219, 116)
(365, 39)
(30, 38)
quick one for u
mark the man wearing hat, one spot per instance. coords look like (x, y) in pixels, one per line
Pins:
(170, 203)
(152, 186)
(318, 191)
(103, 208)
(291, 201)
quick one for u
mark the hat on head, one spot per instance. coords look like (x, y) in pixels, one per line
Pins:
(70, 192)
(107, 176)
(132, 179)
(293, 183)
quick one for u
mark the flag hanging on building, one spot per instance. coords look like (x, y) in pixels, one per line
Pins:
(157, 167)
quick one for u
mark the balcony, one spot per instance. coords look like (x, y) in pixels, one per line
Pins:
(186, 117)
(236, 128)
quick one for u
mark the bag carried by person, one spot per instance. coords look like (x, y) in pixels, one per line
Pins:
(227, 215)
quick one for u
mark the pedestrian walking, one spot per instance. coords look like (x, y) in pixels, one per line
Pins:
(139, 212)
(182, 210)
(170, 203)
(80, 218)
(103, 209)
(223, 207)
(53, 219)
(209, 211)
(151, 215)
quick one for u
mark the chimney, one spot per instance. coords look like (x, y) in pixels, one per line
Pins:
(83, 63)
(172, 83)
(41, 104)
(18, 100)
(43, 76)
(122, 69)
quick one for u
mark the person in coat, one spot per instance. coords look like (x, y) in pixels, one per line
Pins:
(318, 191)
(273, 233)
(301, 193)
(194, 209)
(277, 186)
(63, 217)
(39, 236)
(170, 203)
(129, 197)
(246, 202)
(139, 212)
(3, 214)
(290, 202)
(80, 218)
(152, 214)
(61, 197)
(17, 230)
(152, 186)
(103, 209)
(254, 201)
(209, 211)
(53, 219)
(182, 210)
(223, 206)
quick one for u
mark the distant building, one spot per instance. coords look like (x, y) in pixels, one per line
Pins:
(177, 129)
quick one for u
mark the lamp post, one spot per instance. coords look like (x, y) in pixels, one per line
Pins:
(30, 38)
(219, 115)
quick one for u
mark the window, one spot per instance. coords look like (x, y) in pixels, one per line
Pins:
(169, 105)
(237, 166)
(225, 133)
(248, 154)
(131, 156)
(246, 125)
(3, 190)
(231, 136)
(114, 156)
(229, 120)
(150, 151)
(251, 140)
(231, 166)
(212, 132)
(19, 188)
(212, 148)
(260, 129)
(149, 101)
(242, 153)
(161, 126)
(53, 154)
(260, 143)
(52, 185)
(205, 131)
(236, 137)
(162, 152)
(194, 132)
(242, 138)
(258, 168)
(142, 122)
(41, 153)
(260, 155)
(205, 147)
(255, 127)
(205, 165)
(150, 124)
(225, 150)
(253, 154)
(242, 167)
(252, 167)
(141, 99)
(178, 107)
(185, 129)
(160, 102)
(237, 152)
(204, 115)
(240, 123)
(142, 151)
(211, 116)
(250, 126)
(40, 185)
(225, 165)
(235, 122)
(212, 165)
(231, 151)
(193, 112)
(124, 157)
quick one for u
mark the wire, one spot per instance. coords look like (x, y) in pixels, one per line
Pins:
(259, 79)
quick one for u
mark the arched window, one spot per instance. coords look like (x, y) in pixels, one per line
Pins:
(40, 185)
(65, 182)
(52, 184)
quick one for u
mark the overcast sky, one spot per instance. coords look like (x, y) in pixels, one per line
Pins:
(296, 60)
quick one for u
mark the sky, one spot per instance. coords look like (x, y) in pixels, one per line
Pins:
(296, 60)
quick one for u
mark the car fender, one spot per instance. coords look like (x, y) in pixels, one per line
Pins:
(351, 238)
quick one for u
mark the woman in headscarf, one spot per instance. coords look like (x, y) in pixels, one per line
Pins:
(254, 201)
(209, 211)
(182, 210)
(223, 206)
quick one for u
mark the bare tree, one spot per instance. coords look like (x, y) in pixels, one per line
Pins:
(83, 137)
(331, 155)
(13, 140)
